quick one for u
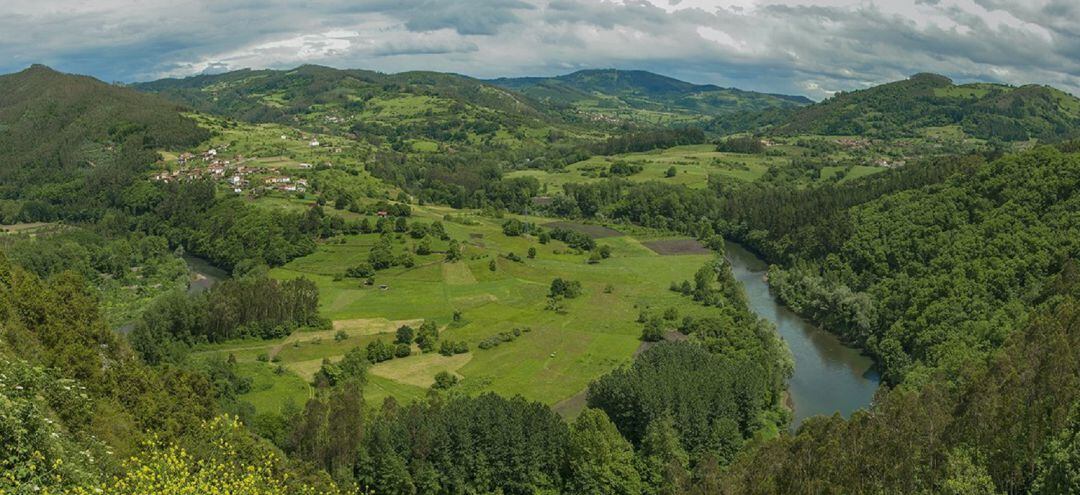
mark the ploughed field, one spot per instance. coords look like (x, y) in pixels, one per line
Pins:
(553, 355)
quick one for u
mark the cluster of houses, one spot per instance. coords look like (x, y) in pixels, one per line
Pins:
(285, 183)
(234, 175)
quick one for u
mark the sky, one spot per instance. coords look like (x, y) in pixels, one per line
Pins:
(805, 47)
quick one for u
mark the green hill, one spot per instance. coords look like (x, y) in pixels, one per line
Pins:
(641, 96)
(63, 137)
(410, 111)
(929, 103)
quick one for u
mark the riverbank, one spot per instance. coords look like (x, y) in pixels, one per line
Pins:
(829, 377)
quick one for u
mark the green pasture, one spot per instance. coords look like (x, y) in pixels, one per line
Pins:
(556, 359)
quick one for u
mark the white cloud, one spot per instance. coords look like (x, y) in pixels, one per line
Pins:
(795, 46)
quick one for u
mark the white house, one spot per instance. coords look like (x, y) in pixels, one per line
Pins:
(314, 143)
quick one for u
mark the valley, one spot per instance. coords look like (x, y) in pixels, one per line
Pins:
(345, 281)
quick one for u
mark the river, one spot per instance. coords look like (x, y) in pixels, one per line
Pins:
(829, 376)
(203, 274)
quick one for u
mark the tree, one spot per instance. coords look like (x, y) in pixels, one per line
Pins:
(662, 462)
(428, 336)
(671, 172)
(491, 265)
(1059, 465)
(532, 252)
(568, 289)
(404, 335)
(453, 253)
(599, 460)
(424, 247)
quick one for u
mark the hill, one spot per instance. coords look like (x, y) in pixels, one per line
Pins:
(58, 129)
(927, 104)
(644, 97)
(407, 112)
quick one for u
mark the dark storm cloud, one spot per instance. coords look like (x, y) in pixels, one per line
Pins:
(794, 46)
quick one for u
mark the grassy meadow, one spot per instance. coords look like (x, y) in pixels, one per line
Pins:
(693, 165)
(551, 362)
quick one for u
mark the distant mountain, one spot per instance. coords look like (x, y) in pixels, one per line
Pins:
(62, 136)
(644, 96)
(925, 102)
(402, 109)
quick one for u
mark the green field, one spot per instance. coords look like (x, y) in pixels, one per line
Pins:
(693, 166)
(553, 361)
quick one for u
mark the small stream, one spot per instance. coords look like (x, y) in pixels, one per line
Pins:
(829, 376)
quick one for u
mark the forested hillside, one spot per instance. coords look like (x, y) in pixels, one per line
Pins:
(640, 96)
(934, 276)
(1004, 423)
(925, 103)
(65, 140)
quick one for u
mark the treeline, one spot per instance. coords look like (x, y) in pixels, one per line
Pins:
(250, 306)
(634, 142)
(787, 223)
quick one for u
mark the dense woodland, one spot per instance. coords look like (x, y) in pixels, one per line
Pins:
(958, 275)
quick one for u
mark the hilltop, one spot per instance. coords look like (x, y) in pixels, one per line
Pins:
(643, 96)
(410, 111)
(57, 129)
(927, 104)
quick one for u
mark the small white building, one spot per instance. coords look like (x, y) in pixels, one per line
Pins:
(314, 143)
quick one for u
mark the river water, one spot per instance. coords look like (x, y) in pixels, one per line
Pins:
(203, 274)
(829, 376)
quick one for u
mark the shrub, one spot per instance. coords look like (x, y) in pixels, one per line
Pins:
(444, 380)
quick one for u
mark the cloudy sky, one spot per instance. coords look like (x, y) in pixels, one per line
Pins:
(808, 47)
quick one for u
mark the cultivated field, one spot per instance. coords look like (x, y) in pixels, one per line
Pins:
(552, 361)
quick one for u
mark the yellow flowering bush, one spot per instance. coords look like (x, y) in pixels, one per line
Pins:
(172, 470)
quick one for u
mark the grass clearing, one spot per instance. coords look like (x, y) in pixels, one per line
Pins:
(419, 371)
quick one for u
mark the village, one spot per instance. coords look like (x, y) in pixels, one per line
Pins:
(233, 173)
